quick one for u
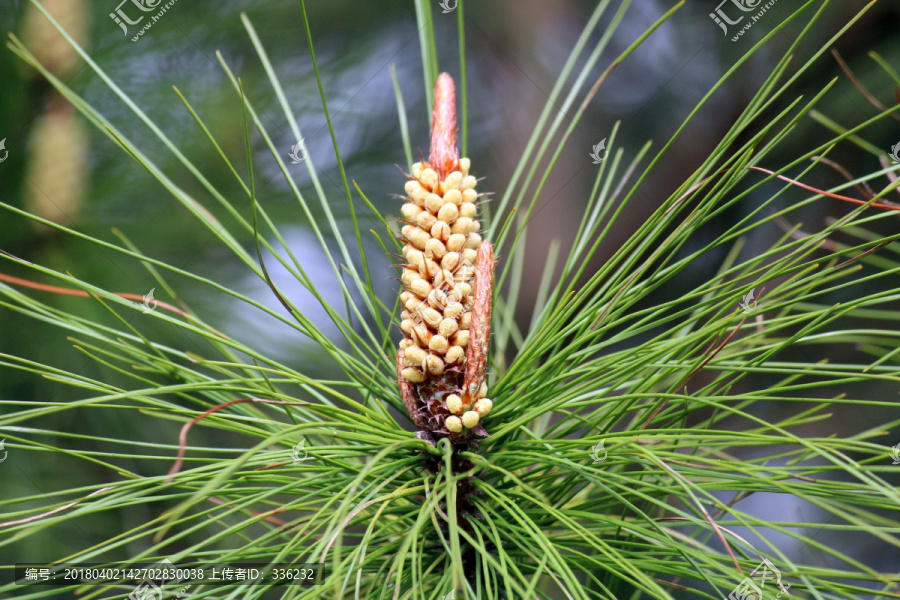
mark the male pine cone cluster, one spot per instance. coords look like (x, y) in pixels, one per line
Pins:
(441, 249)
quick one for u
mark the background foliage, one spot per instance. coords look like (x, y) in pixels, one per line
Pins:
(730, 436)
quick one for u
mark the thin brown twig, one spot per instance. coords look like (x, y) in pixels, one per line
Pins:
(52, 512)
(799, 234)
(699, 367)
(182, 436)
(718, 349)
(270, 519)
(862, 188)
(693, 188)
(690, 191)
(82, 293)
(825, 193)
(709, 520)
(859, 256)
(862, 89)
(671, 584)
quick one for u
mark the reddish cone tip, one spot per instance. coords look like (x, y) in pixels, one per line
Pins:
(444, 156)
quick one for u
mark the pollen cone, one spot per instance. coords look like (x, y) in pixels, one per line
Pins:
(441, 237)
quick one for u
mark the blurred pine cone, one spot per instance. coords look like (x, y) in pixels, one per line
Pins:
(56, 171)
(49, 47)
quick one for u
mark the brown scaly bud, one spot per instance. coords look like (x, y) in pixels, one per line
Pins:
(480, 330)
(444, 156)
(448, 286)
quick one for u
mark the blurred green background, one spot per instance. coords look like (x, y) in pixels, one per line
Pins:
(69, 172)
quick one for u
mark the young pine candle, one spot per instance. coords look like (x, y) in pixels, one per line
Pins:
(447, 285)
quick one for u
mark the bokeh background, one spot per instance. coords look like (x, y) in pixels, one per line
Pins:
(61, 168)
